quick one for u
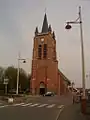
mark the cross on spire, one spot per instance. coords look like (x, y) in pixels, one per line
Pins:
(45, 10)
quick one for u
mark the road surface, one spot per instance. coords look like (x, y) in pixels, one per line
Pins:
(43, 108)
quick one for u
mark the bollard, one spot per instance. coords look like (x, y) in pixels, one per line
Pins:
(10, 100)
(83, 105)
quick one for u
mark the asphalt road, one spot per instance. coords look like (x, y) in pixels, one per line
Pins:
(27, 113)
(41, 108)
(63, 100)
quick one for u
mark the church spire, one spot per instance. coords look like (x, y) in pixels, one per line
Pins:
(45, 24)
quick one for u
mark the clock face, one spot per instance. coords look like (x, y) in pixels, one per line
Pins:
(42, 39)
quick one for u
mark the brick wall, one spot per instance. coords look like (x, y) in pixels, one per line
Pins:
(63, 86)
(51, 68)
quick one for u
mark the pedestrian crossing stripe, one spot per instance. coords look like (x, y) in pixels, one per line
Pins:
(18, 104)
(3, 106)
(43, 105)
(26, 104)
(34, 105)
(50, 106)
(38, 105)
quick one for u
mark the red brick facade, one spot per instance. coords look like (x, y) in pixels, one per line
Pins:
(45, 72)
(63, 84)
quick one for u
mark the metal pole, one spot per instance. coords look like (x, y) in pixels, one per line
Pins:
(34, 74)
(82, 53)
(18, 74)
(59, 87)
(6, 89)
(5, 83)
(72, 87)
(59, 80)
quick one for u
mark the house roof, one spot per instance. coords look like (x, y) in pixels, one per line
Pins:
(65, 78)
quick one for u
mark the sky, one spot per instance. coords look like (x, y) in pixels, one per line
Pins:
(18, 19)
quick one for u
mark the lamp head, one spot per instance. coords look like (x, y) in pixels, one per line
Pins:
(24, 61)
(68, 26)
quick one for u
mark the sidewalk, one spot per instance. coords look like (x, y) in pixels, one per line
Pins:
(72, 112)
(18, 99)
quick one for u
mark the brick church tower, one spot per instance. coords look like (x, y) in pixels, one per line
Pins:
(44, 61)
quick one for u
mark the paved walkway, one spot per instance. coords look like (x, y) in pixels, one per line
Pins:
(72, 112)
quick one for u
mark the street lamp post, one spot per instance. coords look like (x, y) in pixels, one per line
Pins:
(24, 61)
(68, 26)
(6, 81)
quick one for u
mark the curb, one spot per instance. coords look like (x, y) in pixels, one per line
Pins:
(18, 99)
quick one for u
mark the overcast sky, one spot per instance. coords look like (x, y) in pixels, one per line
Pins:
(18, 19)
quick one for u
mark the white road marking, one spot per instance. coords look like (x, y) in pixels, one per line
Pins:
(26, 104)
(4, 106)
(42, 105)
(61, 106)
(57, 117)
(34, 105)
(50, 106)
(18, 104)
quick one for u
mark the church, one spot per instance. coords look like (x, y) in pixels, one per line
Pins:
(46, 77)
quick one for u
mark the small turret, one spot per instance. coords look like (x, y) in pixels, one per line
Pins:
(53, 35)
(50, 28)
(36, 31)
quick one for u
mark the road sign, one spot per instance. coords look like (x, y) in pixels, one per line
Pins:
(10, 100)
(6, 81)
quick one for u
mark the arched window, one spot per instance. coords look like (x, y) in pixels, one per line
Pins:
(45, 51)
(39, 51)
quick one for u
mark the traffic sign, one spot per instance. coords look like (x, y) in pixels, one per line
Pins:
(6, 81)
